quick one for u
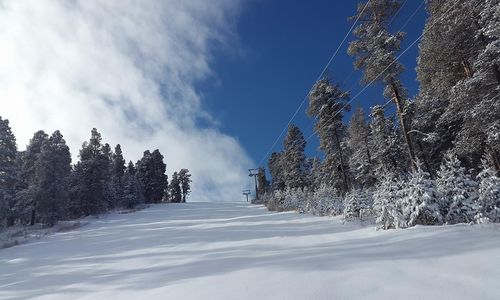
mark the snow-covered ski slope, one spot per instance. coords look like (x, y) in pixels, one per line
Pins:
(239, 251)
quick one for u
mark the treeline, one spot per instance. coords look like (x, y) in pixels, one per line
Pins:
(436, 159)
(40, 185)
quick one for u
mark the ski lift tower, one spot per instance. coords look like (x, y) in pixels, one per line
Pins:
(246, 193)
(254, 173)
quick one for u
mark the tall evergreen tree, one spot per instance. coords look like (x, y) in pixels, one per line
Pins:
(294, 158)
(327, 104)
(9, 173)
(151, 176)
(131, 195)
(358, 141)
(53, 168)
(90, 178)
(175, 190)
(275, 165)
(185, 182)
(387, 153)
(375, 51)
(29, 194)
(117, 173)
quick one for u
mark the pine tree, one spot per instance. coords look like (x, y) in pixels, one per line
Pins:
(275, 166)
(356, 203)
(117, 181)
(90, 178)
(458, 192)
(132, 195)
(294, 158)
(30, 191)
(327, 104)
(358, 141)
(385, 202)
(387, 153)
(185, 182)
(174, 188)
(151, 176)
(489, 195)
(53, 168)
(420, 200)
(9, 174)
(375, 51)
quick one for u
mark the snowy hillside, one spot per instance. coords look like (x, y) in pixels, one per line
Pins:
(240, 251)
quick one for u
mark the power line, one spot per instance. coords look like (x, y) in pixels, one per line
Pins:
(383, 71)
(319, 77)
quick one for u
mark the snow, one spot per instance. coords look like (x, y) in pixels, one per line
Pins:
(241, 251)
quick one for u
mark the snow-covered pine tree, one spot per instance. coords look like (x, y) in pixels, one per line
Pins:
(275, 165)
(326, 201)
(360, 161)
(132, 195)
(294, 158)
(151, 176)
(450, 25)
(185, 181)
(174, 188)
(458, 192)
(386, 199)
(327, 105)
(9, 174)
(28, 193)
(356, 204)
(489, 195)
(116, 182)
(89, 181)
(420, 200)
(375, 51)
(53, 168)
(387, 152)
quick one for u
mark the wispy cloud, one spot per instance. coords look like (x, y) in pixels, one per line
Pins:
(129, 69)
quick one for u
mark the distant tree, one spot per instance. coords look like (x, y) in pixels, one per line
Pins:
(9, 174)
(174, 188)
(131, 195)
(117, 173)
(151, 176)
(90, 178)
(29, 194)
(53, 168)
(294, 158)
(185, 182)
(327, 105)
(275, 165)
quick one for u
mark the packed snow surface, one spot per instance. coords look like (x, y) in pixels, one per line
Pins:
(240, 251)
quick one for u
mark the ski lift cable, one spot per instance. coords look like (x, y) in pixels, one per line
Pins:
(319, 77)
(383, 71)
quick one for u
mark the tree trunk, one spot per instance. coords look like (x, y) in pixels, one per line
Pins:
(33, 217)
(496, 71)
(344, 175)
(397, 100)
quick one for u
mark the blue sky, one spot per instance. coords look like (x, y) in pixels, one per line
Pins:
(282, 48)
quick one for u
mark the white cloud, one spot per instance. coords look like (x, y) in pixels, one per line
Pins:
(127, 68)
